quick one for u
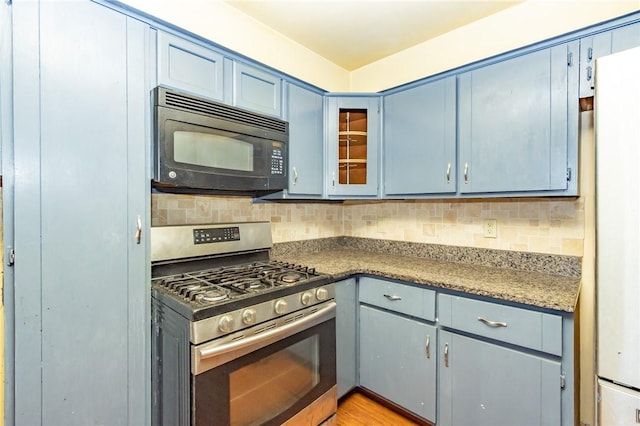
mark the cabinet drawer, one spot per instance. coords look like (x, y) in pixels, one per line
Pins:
(530, 329)
(402, 298)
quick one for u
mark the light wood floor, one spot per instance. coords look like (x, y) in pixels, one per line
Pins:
(358, 410)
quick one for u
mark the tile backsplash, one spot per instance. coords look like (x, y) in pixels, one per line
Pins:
(554, 226)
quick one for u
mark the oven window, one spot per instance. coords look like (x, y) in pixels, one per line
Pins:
(276, 381)
(221, 151)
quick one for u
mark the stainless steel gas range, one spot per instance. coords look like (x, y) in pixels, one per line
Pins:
(238, 339)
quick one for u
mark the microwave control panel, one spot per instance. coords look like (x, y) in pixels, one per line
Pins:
(277, 161)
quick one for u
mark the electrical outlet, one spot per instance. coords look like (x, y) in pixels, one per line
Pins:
(490, 228)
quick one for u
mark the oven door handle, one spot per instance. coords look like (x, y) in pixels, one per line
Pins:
(213, 354)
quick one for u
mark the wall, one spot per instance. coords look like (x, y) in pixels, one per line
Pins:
(537, 225)
(515, 27)
(289, 222)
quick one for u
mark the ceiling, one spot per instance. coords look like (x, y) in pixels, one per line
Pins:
(354, 33)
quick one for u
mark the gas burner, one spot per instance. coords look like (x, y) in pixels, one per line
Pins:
(253, 285)
(215, 294)
(188, 288)
(291, 277)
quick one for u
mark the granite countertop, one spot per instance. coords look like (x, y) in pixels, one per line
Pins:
(538, 289)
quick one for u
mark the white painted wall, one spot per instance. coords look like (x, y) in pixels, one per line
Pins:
(517, 26)
(520, 25)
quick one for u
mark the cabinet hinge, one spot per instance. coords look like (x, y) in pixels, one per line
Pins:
(569, 174)
(562, 381)
(11, 258)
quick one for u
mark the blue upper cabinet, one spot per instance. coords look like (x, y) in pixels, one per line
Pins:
(518, 124)
(419, 144)
(190, 67)
(352, 141)
(257, 90)
(306, 119)
(602, 44)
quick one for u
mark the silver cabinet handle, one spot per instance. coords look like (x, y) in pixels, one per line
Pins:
(427, 347)
(466, 172)
(295, 176)
(333, 179)
(138, 229)
(449, 173)
(492, 323)
(392, 297)
(446, 355)
(589, 73)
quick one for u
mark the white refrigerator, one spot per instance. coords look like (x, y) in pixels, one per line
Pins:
(617, 127)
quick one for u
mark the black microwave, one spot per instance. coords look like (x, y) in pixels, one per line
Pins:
(201, 146)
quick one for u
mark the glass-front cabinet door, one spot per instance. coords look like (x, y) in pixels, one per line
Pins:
(352, 145)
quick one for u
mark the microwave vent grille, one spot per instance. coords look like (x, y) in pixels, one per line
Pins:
(225, 112)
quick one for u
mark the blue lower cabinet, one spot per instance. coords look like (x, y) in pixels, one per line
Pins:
(346, 335)
(483, 383)
(398, 360)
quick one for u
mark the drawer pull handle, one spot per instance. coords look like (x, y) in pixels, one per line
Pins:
(392, 297)
(492, 323)
(428, 347)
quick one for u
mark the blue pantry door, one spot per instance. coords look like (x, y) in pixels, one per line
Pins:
(81, 187)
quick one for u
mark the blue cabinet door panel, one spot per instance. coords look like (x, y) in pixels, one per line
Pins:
(488, 385)
(419, 145)
(89, 276)
(397, 360)
(305, 141)
(346, 335)
(372, 106)
(602, 44)
(190, 67)
(513, 124)
(257, 90)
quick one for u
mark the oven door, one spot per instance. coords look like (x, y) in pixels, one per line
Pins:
(284, 373)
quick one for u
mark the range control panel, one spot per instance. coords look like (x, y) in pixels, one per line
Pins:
(216, 235)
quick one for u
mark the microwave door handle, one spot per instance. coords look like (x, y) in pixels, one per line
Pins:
(212, 355)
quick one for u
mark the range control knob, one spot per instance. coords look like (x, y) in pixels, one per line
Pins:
(322, 294)
(306, 297)
(225, 324)
(249, 316)
(281, 307)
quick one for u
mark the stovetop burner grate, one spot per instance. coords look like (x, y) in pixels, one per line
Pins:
(215, 285)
